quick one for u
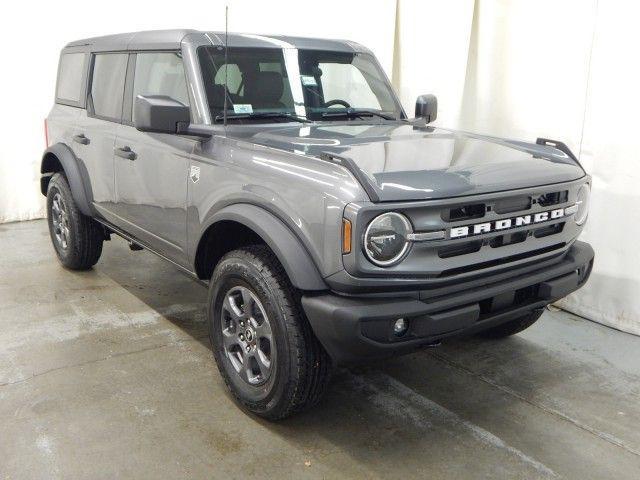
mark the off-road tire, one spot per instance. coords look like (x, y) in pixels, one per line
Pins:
(302, 367)
(513, 326)
(84, 243)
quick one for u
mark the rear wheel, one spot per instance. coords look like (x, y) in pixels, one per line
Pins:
(513, 326)
(263, 345)
(77, 239)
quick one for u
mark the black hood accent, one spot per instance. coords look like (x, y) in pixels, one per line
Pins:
(400, 161)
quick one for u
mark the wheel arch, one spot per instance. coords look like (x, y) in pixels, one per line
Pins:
(242, 224)
(60, 158)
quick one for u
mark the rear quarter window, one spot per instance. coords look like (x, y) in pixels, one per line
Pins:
(107, 85)
(70, 78)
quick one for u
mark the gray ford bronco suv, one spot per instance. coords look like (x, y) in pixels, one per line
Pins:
(329, 227)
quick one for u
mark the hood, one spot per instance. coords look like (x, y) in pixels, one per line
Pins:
(406, 162)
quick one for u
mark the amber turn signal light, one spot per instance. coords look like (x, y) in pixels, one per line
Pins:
(346, 236)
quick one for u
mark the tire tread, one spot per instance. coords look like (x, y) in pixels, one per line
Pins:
(311, 373)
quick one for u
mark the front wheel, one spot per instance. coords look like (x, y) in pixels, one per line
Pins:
(263, 345)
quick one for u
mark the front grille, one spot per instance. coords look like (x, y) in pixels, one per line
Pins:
(512, 204)
(478, 250)
(548, 230)
(500, 261)
(553, 198)
(460, 249)
(508, 239)
(464, 212)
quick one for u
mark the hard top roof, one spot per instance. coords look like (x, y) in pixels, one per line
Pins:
(172, 39)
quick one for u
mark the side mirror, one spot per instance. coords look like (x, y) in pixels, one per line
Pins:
(427, 107)
(159, 113)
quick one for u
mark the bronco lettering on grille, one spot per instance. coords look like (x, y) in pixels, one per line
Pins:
(505, 223)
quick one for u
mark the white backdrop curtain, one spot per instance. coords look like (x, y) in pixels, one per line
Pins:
(563, 69)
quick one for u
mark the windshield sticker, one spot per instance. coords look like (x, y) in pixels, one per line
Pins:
(308, 81)
(242, 108)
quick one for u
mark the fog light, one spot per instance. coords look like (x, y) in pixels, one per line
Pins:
(400, 327)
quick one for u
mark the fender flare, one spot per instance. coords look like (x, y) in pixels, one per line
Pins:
(291, 253)
(75, 172)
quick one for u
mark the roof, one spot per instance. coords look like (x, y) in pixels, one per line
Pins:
(170, 39)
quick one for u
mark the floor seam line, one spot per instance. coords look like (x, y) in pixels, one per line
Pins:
(601, 435)
(98, 360)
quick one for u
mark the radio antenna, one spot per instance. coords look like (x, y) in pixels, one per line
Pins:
(226, 65)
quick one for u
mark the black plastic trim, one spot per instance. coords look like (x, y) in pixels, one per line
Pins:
(76, 174)
(338, 320)
(356, 171)
(291, 253)
(560, 146)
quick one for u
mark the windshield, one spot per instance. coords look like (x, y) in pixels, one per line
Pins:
(307, 84)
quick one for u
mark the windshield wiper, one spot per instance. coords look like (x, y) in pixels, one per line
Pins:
(291, 116)
(354, 113)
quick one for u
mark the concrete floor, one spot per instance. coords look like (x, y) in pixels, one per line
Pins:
(108, 374)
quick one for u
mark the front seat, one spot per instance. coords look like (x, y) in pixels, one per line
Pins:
(263, 90)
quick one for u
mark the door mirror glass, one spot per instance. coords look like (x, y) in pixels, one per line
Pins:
(159, 113)
(427, 107)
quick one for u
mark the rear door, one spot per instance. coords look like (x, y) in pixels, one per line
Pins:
(95, 132)
(151, 184)
(70, 99)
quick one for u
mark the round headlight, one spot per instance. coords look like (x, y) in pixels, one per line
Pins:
(582, 201)
(385, 240)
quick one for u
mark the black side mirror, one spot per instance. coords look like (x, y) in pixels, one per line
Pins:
(159, 113)
(427, 107)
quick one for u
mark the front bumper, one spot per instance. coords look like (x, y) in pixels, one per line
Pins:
(357, 328)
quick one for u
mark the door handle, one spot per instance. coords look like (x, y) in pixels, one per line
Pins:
(126, 152)
(81, 139)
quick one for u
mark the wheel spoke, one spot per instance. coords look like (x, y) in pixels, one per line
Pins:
(229, 339)
(264, 330)
(237, 360)
(60, 221)
(247, 302)
(229, 307)
(247, 368)
(234, 308)
(247, 338)
(264, 363)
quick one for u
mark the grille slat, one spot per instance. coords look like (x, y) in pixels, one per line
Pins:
(500, 261)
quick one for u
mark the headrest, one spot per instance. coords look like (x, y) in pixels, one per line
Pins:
(263, 88)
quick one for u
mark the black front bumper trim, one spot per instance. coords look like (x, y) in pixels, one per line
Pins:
(353, 329)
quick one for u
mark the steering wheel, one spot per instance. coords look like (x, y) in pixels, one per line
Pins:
(331, 103)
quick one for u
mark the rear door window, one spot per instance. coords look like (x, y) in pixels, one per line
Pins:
(107, 85)
(70, 78)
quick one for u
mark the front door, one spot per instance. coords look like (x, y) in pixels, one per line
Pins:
(152, 169)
